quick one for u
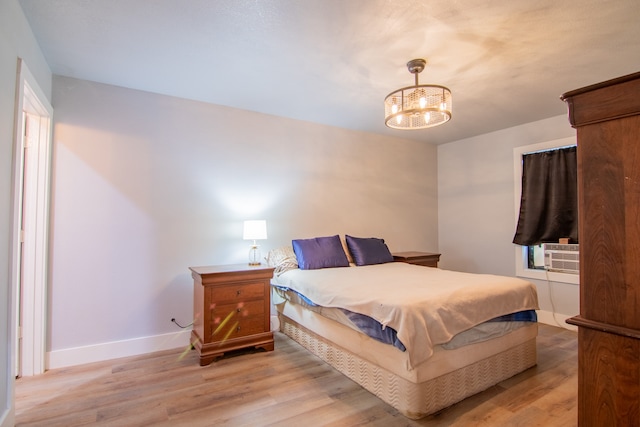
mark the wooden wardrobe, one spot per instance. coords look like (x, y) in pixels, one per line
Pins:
(607, 119)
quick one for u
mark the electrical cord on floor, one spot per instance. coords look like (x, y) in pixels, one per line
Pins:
(553, 307)
(179, 325)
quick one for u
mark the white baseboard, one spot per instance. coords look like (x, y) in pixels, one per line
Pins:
(137, 346)
(275, 323)
(555, 319)
(7, 418)
(117, 349)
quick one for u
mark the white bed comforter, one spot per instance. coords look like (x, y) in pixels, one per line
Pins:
(426, 306)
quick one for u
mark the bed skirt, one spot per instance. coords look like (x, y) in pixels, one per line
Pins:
(416, 400)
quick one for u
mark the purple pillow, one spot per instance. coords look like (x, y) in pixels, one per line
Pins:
(320, 252)
(366, 251)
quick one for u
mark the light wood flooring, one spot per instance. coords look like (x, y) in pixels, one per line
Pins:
(286, 387)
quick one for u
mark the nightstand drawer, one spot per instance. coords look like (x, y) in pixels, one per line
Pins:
(237, 293)
(241, 309)
(237, 326)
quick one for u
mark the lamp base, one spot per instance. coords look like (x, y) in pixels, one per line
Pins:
(254, 255)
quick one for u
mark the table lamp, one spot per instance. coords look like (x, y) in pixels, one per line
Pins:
(255, 230)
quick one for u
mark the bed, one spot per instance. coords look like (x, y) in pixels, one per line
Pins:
(419, 338)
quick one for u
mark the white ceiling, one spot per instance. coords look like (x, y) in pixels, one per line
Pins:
(333, 61)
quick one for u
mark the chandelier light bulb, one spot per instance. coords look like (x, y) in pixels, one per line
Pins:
(399, 119)
(394, 108)
(427, 117)
(423, 102)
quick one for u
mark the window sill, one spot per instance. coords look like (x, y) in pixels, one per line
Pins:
(551, 276)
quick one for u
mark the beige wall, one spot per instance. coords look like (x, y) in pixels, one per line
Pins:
(476, 219)
(146, 185)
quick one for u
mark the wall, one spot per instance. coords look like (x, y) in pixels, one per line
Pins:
(16, 40)
(476, 218)
(146, 185)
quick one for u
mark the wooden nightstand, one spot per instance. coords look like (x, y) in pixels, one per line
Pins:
(231, 306)
(426, 259)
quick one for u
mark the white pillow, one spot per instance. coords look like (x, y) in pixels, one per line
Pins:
(283, 259)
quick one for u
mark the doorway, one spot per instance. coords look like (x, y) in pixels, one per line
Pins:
(30, 225)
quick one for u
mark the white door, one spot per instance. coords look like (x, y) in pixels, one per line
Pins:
(30, 225)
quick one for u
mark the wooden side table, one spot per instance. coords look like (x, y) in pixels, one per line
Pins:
(231, 309)
(426, 259)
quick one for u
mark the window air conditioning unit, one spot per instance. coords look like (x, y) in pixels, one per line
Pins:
(562, 258)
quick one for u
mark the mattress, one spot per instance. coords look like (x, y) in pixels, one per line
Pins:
(426, 306)
(482, 332)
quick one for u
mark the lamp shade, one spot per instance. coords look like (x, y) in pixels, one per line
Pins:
(255, 230)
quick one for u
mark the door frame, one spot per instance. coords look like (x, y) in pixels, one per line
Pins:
(29, 302)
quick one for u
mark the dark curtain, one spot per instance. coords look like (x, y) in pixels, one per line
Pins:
(549, 202)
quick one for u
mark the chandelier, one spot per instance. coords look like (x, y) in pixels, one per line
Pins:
(418, 106)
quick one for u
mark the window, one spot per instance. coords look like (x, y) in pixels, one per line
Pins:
(530, 259)
(535, 256)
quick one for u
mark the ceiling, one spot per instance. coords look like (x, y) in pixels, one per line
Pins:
(333, 61)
